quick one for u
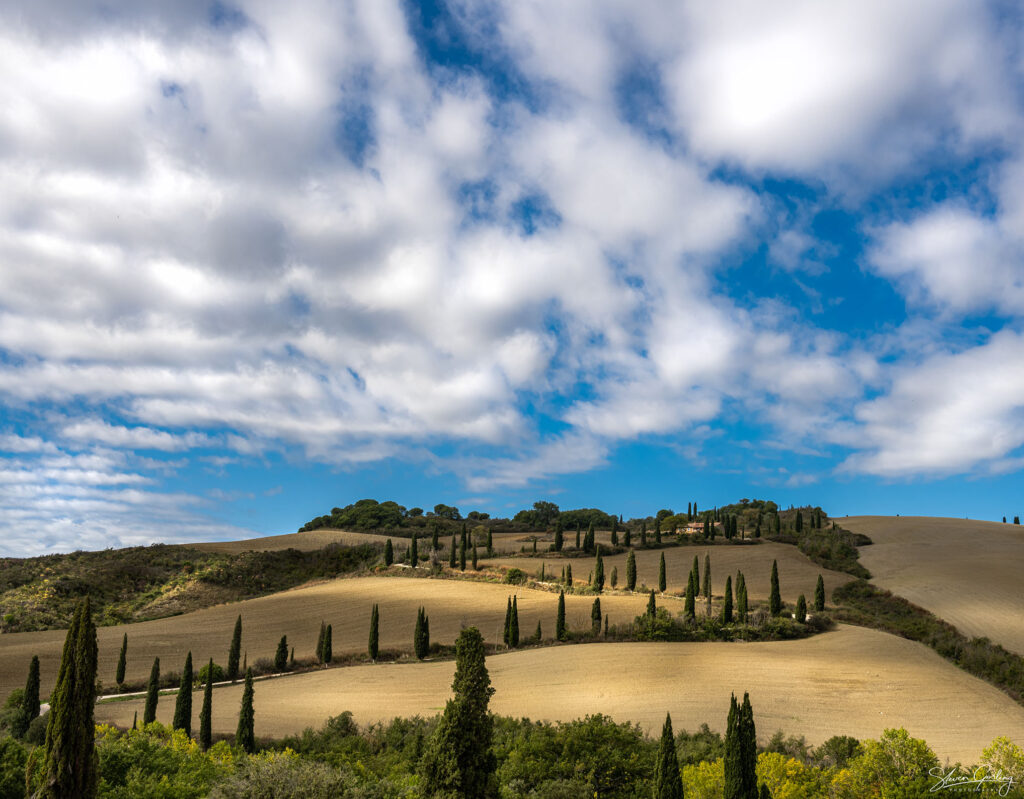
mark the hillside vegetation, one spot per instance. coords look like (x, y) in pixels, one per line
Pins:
(139, 583)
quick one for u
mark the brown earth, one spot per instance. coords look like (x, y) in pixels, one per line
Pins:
(853, 681)
(317, 539)
(967, 572)
(344, 603)
(798, 574)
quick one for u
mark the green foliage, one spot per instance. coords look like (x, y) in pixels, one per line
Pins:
(328, 651)
(206, 712)
(837, 751)
(285, 775)
(801, 609)
(13, 759)
(122, 661)
(245, 735)
(741, 597)
(389, 553)
(458, 761)
(631, 570)
(366, 514)
(183, 703)
(595, 617)
(421, 635)
(662, 582)
(560, 631)
(68, 758)
(819, 594)
(204, 674)
(281, 655)
(727, 603)
(515, 576)
(513, 624)
(775, 598)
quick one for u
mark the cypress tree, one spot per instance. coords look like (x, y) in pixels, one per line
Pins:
(374, 645)
(122, 661)
(748, 749)
(765, 793)
(281, 655)
(819, 594)
(568, 575)
(490, 547)
(30, 701)
(507, 637)
(560, 619)
(595, 617)
(1016, 519)
(558, 535)
(741, 597)
(291, 659)
(245, 735)
(689, 512)
(775, 598)
(798, 523)
(733, 759)
(320, 642)
(662, 583)
(417, 637)
(434, 545)
(727, 603)
(513, 629)
(537, 635)
(627, 538)
(462, 554)
(458, 761)
(577, 535)
(152, 694)
(695, 571)
(643, 533)
(328, 646)
(689, 608)
(183, 703)
(236, 649)
(652, 607)
(414, 552)
(588, 544)
(631, 570)
(615, 576)
(668, 783)
(135, 720)
(389, 553)
(451, 555)
(68, 754)
(599, 571)
(475, 566)
(707, 577)
(801, 609)
(657, 531)
(206, 712)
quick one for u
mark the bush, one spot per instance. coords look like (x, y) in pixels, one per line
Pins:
(515, 576)
(219, 675)
(36, 734)
(12, 769)
(284, 775)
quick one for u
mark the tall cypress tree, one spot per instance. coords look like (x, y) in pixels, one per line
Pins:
(775, 598)
(507, 636)
(236, 649)
(206, 712)
(320, 642)
(281, 654)
(568, 575)
(652, 607)
(707, 577)
(417, 636)
(595, 617)
(434, 546)
(589, 543)
(245, 734)
(695, 571)
(631, 570)
(183, 704)
(69, 761)
(662, 580)
(414, 552)
(389, 553)
(560, 619)
(668, 783)
(374, 645)
(458, 761)
(798, 523)
(627, 538)
(801, 609)
(558, 535)
(733, 759)
(513, 629)
(599, 571)
(152, 693)
(741, 597)
(613, 581)
(30, 701)
(689, 608)
(122, 661)
(475, 566)
(462, 554)
(657, 531)
(490, 543)
(577, 535)
(328, 646)
(452, 555)
(819, 594)
(748, 749)
(643, 533)
(727, 602)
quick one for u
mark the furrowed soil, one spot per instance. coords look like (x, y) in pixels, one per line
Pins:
(798, 574)
(966, 572)
(318, 539)
(344, 603)
(853, 681)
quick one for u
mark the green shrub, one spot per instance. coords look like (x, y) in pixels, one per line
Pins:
(515, 576)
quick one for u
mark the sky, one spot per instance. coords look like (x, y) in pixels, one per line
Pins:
(261, 259)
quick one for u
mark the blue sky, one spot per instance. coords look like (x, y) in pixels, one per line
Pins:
(261, 259)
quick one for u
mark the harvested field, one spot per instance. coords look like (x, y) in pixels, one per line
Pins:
(853, 681)
(318, 539)
(344, 603)
(966, 572)
(798, 574)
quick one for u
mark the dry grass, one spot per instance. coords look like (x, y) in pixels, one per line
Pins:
(966, 572)
(853, 681)
(345, 604)
(797, 573)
